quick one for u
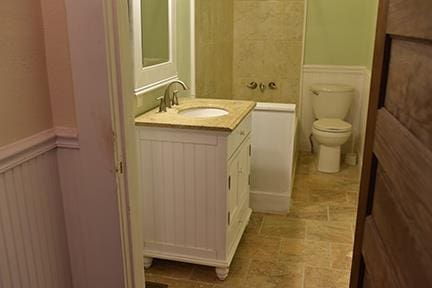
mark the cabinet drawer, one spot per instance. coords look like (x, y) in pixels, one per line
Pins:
(239, 134)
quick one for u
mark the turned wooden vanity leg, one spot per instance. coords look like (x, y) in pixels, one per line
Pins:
(222, 272)
(148, 261)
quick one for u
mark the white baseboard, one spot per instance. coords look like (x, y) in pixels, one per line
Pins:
(16, 153)
(270, 202)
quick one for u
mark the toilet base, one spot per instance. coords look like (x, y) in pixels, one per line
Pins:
(329, 158)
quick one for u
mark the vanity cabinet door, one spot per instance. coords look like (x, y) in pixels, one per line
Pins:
(233, 201)
(238, 190)
(244, 171)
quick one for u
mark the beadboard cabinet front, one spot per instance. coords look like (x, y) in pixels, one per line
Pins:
(195, 193)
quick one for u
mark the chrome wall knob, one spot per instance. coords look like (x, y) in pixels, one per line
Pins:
(252, 85)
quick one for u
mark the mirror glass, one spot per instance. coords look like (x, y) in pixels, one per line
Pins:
(155, 32)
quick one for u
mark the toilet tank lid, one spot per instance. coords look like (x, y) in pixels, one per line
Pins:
(335, 88)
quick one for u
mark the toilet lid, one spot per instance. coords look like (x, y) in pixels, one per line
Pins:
(332, 125)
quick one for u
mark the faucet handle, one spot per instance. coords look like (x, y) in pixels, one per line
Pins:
(162, 104)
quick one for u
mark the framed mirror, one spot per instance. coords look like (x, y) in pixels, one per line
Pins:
(154, 43)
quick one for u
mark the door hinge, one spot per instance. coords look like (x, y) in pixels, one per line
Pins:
(249, 180)
(229, 183)
(120, 168)
(229, 218)
(250, 150)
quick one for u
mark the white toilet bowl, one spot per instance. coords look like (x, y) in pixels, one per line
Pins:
(331, 134)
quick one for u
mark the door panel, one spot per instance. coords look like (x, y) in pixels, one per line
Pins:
(409, 101)
(394, 223)
(376, 261)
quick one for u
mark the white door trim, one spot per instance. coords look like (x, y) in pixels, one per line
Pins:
(120, 67)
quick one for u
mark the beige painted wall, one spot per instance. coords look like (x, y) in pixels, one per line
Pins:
(268, 44)
(24, 97)
(214, 48)
(58, 63)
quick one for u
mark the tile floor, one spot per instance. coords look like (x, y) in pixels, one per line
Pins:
(309, 247)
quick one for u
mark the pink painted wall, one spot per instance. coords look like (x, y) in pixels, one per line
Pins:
(35, 72)
(24, 96)
(58, 63)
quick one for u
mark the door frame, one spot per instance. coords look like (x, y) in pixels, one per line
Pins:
(122, 100)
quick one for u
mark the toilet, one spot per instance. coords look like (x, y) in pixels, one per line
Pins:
(331, 104)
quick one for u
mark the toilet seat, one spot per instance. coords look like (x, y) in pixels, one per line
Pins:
(332, 125)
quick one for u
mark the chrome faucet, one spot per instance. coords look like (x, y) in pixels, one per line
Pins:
(167, 100)
(171, 101)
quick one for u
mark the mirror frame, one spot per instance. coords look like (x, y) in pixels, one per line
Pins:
(152, 77)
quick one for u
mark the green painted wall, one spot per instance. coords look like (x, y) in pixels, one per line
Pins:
(340, 32)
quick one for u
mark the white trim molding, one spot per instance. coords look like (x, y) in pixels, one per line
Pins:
(28, 148)
(268, 202)
(334, 69)
(66, 137)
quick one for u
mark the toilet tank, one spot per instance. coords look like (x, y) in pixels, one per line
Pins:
(331, 100)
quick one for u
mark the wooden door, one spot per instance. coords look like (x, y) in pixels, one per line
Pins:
(393, 244)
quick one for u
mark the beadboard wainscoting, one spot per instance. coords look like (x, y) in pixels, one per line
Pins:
(187, 183)
(356, 76)
(33, 243)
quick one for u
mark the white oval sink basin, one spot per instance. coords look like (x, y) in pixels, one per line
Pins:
(203, 112)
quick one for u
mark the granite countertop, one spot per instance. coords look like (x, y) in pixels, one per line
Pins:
(238, 110)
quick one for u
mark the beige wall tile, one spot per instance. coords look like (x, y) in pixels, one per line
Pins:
(214, 49)
(267, 48)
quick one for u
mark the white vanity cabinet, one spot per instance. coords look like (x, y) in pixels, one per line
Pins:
(195, 192)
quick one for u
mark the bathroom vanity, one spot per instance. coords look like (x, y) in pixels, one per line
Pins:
(194, 181)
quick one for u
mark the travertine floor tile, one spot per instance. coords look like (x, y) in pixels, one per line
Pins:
(255, 223)
(304, 210)
(352, 199)
(341, 256)
(177, 283)
(258, 247)
(325, 278)
(327, 196)
(311, 253)
(275, 274)
(342, 213)
(338, 232)
(280, 226)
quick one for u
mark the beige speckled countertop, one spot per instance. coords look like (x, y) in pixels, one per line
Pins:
(238, 110)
